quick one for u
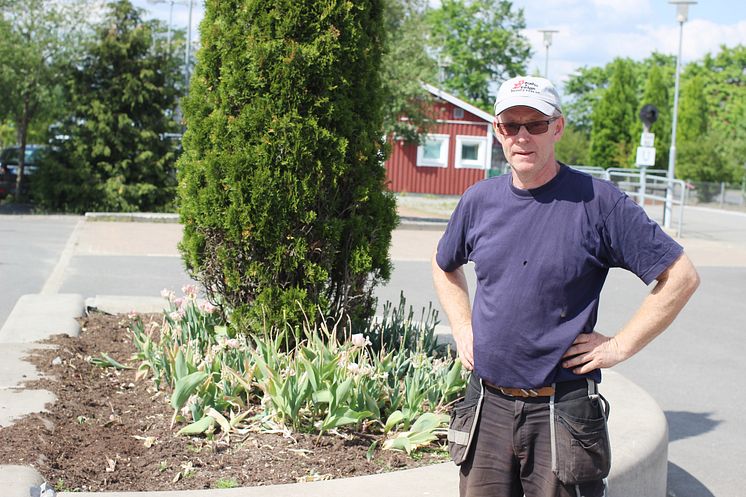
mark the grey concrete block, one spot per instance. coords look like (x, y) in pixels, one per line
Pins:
(14, 370)
(16, 481)
(122, 304)
(16, 403)
(36, 317)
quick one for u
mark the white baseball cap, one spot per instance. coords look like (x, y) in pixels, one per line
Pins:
(529, 91)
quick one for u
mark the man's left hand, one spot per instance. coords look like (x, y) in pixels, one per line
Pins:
(592, 351)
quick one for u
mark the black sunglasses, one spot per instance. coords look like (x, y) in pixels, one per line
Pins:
(533, 128)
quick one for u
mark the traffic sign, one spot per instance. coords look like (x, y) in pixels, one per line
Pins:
(647, 139)
(645, 156)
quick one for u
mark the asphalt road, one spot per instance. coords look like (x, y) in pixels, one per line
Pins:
(694, 370)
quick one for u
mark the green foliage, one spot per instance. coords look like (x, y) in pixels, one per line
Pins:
(582, 93)
(114, 155)
(573, 147)
(480, 44)
(405, 66)
(724, 88)
(282, 181)
(219, 382)
(38, 39)
(711, 139)
(613, 117)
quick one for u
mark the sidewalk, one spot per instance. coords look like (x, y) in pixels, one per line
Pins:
(638, 427)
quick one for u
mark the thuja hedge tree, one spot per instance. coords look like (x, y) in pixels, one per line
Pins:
(281, 183)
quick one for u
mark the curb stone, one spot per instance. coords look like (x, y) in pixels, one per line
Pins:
(17, 481)
(36, 317)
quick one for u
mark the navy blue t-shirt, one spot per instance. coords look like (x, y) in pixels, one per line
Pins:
(541, 258)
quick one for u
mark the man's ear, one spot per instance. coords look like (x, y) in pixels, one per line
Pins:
(494, 130)
(559, 128)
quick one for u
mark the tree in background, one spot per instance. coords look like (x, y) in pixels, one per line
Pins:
(281, 186)
(115, 155)
(479, 43)
(699, 155)
(405, 66)
(38, 39)
(725, 94)
(614, 117)
(582, 92)
(573, 147)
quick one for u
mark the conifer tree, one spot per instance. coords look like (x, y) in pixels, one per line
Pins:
(114, 154)
(614, 117)
(282, 182)
(699, 154)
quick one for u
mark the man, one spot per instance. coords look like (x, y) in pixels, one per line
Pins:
(543, 239)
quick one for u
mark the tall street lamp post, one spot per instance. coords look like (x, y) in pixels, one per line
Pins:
(547, 43)
(188, 48)
(682, 12)
(188, 54)
(170, 19)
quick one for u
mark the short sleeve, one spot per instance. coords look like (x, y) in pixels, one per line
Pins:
(635, 242)
(453, 250)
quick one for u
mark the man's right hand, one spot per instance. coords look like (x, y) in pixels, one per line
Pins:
(465, 345)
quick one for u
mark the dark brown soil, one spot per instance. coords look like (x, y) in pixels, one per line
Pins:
(108, 431)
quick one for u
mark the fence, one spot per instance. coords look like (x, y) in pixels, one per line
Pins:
(649, 189)
(718, 195)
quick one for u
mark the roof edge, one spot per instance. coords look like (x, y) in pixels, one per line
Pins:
(458, 102)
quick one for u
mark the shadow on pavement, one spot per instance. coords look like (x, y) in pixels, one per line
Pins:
(682, 484)
(685, 424)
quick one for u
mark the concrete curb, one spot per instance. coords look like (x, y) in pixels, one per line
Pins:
(16, 481)
(407, 222)
(36, 317)
(142, 217)
(638, 430)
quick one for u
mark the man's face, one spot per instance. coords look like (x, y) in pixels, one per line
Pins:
(530, 156)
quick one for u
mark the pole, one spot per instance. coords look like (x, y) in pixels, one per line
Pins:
(672, 153)
(188, 50)
(170, 22)
(546, 61)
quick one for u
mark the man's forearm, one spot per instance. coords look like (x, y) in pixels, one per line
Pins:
(675, 286)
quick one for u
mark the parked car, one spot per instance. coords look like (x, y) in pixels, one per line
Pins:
(9, 158)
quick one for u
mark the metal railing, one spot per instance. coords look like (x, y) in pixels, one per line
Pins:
(646, 187)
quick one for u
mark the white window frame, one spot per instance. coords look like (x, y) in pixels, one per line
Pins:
(481, 161)
(442, 161)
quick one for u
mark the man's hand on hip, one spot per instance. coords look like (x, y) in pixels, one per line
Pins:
(465, 345)
(592, 351)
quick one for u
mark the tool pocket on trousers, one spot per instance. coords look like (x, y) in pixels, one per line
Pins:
(581, 440)
(463, 423)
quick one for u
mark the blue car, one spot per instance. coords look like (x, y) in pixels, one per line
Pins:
(9, 167)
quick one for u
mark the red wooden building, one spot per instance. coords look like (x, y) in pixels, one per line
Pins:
(459, 150)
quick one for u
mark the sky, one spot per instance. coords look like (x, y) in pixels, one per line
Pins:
(590, 32)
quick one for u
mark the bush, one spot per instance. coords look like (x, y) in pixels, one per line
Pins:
(282, 182)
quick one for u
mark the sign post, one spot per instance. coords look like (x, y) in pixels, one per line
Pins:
(646, 150)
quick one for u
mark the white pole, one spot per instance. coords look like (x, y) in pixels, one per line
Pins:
(672, 153)
(170, 22)
(188, 49)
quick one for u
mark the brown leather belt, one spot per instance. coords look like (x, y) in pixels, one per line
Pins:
(522, 392)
